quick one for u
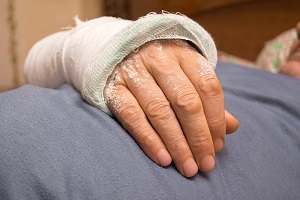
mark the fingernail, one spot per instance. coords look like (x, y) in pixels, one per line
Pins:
(207, 163)
(218, 144)
(163, 158)
(189, 167)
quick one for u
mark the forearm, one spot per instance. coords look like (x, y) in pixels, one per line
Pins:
(86, 55)
(44, 63)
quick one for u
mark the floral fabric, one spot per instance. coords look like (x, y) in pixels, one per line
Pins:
(272, 56)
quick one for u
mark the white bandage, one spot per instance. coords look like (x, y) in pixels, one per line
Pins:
(86, 55)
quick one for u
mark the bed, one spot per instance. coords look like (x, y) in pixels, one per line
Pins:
(47, 151)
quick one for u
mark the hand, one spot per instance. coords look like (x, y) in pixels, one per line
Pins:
(171, 102)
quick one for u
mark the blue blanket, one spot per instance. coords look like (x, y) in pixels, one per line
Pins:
(53, 145)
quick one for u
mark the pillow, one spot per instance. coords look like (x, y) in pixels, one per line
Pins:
(276, 51)
(273, 55)
(56, 146)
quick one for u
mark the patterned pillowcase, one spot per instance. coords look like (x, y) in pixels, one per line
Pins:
(272, 56)
(276, 51)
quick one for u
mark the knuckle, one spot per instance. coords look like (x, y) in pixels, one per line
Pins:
(152, 49)
(157, 52)
(146, 140)
(157, 109)
(210, 84)
(130, 114)
(201, 143)
(217, 126)
(188, 101)
(178, 145)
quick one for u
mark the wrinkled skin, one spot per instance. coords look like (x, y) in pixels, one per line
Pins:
(171, 102)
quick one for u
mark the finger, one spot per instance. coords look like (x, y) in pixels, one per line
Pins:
(159, 112)
(185, 102)
(232, 124)
(129, 113)
(204, 79)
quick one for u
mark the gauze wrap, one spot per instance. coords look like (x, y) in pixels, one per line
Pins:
(86, 55)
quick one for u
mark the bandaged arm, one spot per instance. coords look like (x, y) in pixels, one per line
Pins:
(86, 55)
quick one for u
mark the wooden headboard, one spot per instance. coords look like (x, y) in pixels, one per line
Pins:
(239, 27)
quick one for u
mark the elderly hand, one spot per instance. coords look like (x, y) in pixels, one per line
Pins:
(171, 102)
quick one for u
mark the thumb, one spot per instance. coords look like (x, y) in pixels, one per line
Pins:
(232, 124)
